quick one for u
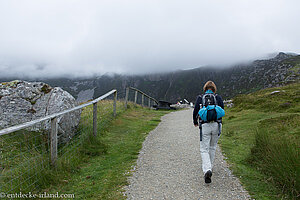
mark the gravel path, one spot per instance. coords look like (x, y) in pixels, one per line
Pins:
(169, 165)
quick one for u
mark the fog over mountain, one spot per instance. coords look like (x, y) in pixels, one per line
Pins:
(46, 39)
(174, 86)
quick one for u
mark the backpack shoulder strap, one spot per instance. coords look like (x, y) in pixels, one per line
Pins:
(199, 97)
(203, 99)
(215, 98)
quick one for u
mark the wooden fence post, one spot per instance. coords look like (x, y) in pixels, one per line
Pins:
(142, 100)
(135, 97)
(149, 103)
(53, 141)
(115, 103)
(126, 97)
(95, 119)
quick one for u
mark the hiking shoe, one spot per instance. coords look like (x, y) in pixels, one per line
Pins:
(207, 176)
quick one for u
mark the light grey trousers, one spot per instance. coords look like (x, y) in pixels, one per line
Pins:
(208, 145)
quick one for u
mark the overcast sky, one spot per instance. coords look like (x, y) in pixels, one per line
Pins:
(85, 37)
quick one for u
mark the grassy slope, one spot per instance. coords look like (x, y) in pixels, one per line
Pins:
(103, 177)
(251, 114)
(24, 164)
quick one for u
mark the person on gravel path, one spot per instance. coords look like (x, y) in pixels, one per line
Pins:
(210, 131)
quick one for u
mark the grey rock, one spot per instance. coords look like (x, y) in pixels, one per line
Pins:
(230, 105)
(22, 101)
(275, 92)
(85, 95)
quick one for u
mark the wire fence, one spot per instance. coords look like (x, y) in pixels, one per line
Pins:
(23, 159)
(32, 153)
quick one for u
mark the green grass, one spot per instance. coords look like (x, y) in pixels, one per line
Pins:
(261, 139)
(276, 152)
(25, 165)
(23, 155)
(286, 101)
(296, 69)
(104, 176)
(292, 61)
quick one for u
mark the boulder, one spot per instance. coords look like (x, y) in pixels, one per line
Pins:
(275, 92)
(230, 105)
(22, 101)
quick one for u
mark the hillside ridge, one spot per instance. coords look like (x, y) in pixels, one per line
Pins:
(174, 86)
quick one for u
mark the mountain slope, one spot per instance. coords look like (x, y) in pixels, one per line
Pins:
(188, 84)
(174, 86)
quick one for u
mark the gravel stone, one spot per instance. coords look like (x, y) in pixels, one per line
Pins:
(169, 165)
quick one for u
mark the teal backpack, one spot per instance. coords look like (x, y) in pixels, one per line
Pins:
(210, 111)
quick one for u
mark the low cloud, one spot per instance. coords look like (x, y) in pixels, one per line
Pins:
(89, 37)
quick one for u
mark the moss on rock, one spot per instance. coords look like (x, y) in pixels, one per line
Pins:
(46, 89)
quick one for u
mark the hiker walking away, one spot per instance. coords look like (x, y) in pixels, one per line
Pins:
(208, 113)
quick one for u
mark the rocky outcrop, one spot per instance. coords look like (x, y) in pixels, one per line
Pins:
(85, 95)
(22, 101)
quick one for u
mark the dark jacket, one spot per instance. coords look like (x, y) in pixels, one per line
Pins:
(197, 106)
